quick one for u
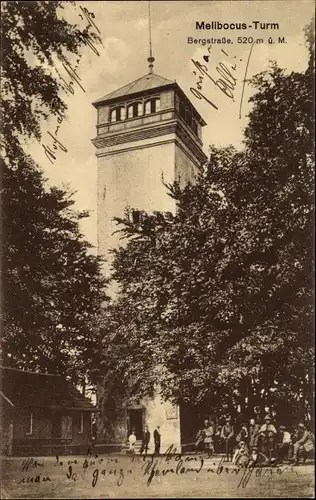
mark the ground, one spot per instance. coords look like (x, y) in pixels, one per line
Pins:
(108, 476)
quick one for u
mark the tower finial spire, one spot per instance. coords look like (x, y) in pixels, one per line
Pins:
(150, 58)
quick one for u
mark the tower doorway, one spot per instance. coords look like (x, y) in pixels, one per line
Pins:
(135, 421)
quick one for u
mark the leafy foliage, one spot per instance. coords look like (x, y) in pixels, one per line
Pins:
(215, 300)
(53, 286)
(35, 38)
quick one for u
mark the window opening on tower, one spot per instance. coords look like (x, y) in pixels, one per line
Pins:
(119, 113)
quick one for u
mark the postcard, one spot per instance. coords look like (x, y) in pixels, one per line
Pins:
(157, 249)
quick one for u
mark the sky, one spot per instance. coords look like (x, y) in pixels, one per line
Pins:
(123, 27)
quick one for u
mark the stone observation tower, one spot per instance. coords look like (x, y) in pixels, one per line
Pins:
(147, 131)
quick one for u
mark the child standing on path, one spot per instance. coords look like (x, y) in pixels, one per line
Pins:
(132, 441)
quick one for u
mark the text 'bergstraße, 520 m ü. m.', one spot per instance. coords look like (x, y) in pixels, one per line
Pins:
(218, 25)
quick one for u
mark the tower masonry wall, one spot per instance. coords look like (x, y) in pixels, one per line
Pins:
(136, 158)
(167, 417)
(132, 176)
(185, 168)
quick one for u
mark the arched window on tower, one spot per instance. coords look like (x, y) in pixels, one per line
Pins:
(152, 106)
(118, 114)
(134, 109)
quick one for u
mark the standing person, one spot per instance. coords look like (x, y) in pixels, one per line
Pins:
(157, 440)
(93, 428)
(227, 435)
(253, 433)
(93, 433)
(145, 441)
(199, 443)
(268, 435)
(132, 442)
(208, 437)
(217, 439)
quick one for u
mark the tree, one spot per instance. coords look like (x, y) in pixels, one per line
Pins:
(36, 39)
(215, 301)
(53, 286)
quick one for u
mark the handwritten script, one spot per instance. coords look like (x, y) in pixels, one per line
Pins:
(92, 470)
(73, 81)
(223, 77)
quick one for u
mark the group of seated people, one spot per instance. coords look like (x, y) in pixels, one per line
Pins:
(255, 442)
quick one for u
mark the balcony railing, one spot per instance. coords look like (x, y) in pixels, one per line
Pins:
(135, 122)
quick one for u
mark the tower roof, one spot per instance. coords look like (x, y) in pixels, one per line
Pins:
(147, 82)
